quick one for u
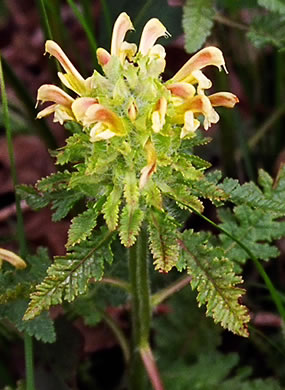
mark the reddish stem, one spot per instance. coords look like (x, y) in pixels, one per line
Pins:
(151, 368)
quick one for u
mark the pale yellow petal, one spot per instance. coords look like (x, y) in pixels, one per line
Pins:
(158, 116)
(121, 26)
(190, 124)
(202, 80)
(151, 32)
(46, 111)
(100, 132)
(63, 114)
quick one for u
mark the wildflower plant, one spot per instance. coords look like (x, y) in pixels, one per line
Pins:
(130, 160)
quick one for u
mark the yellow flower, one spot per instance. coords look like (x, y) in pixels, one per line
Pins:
(131, 98)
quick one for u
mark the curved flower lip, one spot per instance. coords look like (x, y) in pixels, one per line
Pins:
(52, 93)
(181, 89)
(55, 50)
(99, 132)
(153, 30)
(98, 113)
(81, 105)
(224, 99)
(208, 56)
(121, 26)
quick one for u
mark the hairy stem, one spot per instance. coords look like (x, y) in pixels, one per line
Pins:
(141, 354)
(140, 308)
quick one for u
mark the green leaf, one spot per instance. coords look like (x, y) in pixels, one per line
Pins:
(130, 224)
(255, 228)
(214, 278)
(68, 276)
(111, 208)
(82, 226)
(62, 202)
(41, 328)
(197, 23)
(35, 200)
(273, 5)
(268, 30)
(75, 149)
(163, 241)
(131, 190)
(54, 182)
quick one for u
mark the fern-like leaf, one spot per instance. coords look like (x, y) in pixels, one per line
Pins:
(268, 30)
(68, 276)
(163, 241)
(82, 226)
(111, 208)
(214, 278)
(130, 224)
(197, 22)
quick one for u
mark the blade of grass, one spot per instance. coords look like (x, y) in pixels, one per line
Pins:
(85, 26)
(107, 17)
(43, 130)
(142, 12)
(46, 27)
(28, 342)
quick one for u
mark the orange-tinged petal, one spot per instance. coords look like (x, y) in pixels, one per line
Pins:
(224, 99)
(201, 104)
(98, 113)
(183, 90)
(55, 50)
(208, 56)
(81, 105)
(151, 32)
(150, 168)
(121, 26)
(52, 93)
(103, 56)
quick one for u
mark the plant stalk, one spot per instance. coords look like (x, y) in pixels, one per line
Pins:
(28, 342)
(140, 308)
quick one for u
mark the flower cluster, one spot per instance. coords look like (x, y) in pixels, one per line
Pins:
(131, 99)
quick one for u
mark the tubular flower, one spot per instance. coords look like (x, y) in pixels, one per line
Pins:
(128, 107)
